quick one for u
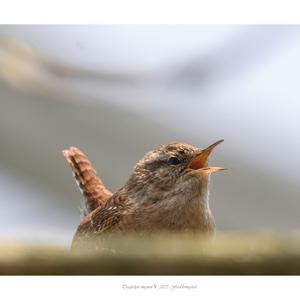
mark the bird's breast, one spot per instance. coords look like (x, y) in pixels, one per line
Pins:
(173, 215)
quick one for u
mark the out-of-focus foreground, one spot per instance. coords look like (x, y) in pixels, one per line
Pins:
(118, 91)
(247, 254)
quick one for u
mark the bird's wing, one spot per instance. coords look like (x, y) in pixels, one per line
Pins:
(94, 191)
(104, 219)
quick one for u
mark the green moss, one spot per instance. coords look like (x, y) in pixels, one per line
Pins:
(263, 253)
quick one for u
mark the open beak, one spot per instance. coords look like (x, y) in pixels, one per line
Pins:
(200, 161)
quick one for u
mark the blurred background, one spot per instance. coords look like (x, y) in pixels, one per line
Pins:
(117, 91)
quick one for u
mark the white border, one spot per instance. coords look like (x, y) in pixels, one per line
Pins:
(150, 11)
(105, 287)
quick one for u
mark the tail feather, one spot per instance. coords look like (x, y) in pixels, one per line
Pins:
(94, 192)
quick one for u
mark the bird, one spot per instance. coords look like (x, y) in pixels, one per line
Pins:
(168, 190)
(93, 190)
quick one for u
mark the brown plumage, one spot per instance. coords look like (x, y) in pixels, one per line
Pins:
(168, 190)
(94, 192)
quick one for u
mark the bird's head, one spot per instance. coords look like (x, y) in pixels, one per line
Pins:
(172, 170)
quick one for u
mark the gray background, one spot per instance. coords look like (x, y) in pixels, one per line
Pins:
(118, 91)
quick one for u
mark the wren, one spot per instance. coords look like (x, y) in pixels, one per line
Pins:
(168, 190)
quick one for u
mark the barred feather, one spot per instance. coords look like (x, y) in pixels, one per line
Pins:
(94, 192)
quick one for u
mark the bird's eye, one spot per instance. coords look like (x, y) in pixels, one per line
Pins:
(174, 160)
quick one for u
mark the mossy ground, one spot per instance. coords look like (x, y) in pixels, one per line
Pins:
(227, 254)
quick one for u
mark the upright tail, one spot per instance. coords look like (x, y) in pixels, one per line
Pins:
(91, 186)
